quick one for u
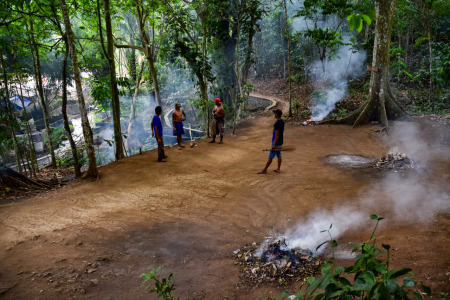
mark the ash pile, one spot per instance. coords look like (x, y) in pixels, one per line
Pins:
(396, 162)
(275, 262)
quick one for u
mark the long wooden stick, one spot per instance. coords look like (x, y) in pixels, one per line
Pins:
(279, 149)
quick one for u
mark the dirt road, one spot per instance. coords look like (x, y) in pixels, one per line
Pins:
(93, 239)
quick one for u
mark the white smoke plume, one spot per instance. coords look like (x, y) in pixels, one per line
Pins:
(411, 198)
(347, 63)
(308, 234)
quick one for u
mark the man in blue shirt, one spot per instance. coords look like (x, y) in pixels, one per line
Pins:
(277, 142)
(157, 131)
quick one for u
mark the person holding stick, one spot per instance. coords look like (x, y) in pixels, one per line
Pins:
(277, 142)
(157, 131)
(178, 116)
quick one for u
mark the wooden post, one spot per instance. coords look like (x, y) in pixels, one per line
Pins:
(190, 131)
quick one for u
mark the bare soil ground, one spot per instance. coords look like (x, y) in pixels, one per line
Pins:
(92, 240)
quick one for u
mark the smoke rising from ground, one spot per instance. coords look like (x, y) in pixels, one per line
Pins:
(346, 64)
(411, 198)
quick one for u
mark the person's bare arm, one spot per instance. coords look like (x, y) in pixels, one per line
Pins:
(151, 125)
(174, 117)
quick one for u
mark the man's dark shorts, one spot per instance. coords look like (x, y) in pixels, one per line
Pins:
(272, 154)
(220, 124)
(179, 127)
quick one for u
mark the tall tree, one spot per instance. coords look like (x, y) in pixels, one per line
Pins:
(188, 41)
(9, 112)
(118, 141)
(288, 37)
(150, 45)
(381, 104)
(38, 79)
(73, 146)
(87, 131)
(131, 134)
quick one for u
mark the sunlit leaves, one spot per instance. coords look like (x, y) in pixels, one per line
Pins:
(355, 21)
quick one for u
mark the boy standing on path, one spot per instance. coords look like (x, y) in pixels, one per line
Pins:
(157, 131)
(178, 116)
(277, 141)
(219, 118)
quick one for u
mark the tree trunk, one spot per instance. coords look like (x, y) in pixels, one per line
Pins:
(9, 111)
(87, 132)
(40, 88)
(118, 141)
(148, 51)
(237, 88)
(426, 19)
(130, 133)
(407, 44)
(381, 104)
(248, 58)
(288, 36)
(132, 62)
(282, 46)
(73, 146)
(204, 87)
(34, 162)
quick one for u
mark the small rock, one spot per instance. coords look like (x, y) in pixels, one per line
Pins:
(89, 271)
(95, 281)
(47, 274)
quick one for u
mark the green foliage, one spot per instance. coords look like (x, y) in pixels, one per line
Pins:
(297, 106)
(355, 21)
(161, 287)
(372, 277)
(340, 113)
(299, 78)
(426, 107)
(247, 89)
(59, 136)
(324, 37)
(306, 113)
(203, 107)
(101, 93)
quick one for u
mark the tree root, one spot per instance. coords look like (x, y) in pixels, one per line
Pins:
(391, 110)
(10, 179)
(384, 130)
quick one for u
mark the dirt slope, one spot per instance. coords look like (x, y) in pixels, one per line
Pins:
(93, 239)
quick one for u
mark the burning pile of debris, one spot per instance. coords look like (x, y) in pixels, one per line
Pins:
(274, 263)
(309, 122)
(396, 162)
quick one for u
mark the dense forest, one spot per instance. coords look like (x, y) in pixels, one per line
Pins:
(80, 79)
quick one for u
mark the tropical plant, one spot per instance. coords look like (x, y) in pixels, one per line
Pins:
(161, 287)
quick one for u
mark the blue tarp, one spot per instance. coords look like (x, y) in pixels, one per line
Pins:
(17, 102)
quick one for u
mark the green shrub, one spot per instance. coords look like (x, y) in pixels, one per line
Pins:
(162, 288)
(306, 113)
